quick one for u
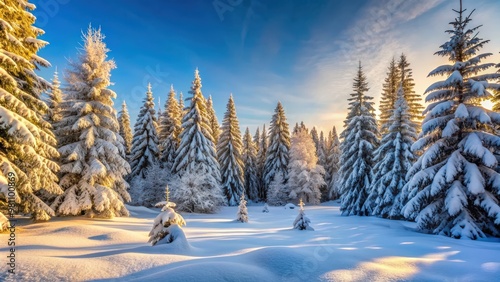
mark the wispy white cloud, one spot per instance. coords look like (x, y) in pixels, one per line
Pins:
(329, 61)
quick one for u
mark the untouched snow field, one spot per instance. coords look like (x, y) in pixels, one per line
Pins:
(265, 249)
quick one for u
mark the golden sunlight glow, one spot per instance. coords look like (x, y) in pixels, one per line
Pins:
(384, 268)
(487, 104)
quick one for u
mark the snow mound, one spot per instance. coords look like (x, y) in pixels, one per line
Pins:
(135, 210)
(278, 260)
(211, 271)
(176, 239)
(290, 206)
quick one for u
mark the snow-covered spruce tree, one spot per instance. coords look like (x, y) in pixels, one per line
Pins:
(92, 163)
(27, 145)
(333, 166)
(250, 165)
(279, 145)
(302, 221)
(360, 140)
(167, 227)
(145, 151)
(261, 161)
(452, 186)
(298, 127)
(170, 130)
(153, 186)
(496, 96)
(242, 215)
(214, 123)
(315, 137)
(54, 100)
(389, 95)
(321, 149)
(198, 189)
(393, 160)
(278, 193)
(125, 129)
(414, 100)
(230, 156)
(265, 209)
(306, 177)
(256, 140)
(181, 104)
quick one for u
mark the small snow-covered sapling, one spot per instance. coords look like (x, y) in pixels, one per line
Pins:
(266, 208)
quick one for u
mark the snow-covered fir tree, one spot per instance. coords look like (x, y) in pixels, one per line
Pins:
(161, 116)
(153, 186)
(306, 177)
(242, 214)
(302, 221)
(265, 209)
(229, 154)
(452, 186)
(197, 191)
(300, 126)
(181, 104)
(198, 188)
(125, 129)
(360, 140)
(393, 160)
(167, 227)
(145, 152)
(278, 193)
(170, 130)
(279, 145)
(315, 137)
(214, 123)
(414, 100)
(256, 140)
(333, 166)
(250, 164)
(261, 161)
(92, 162)
(321, 149)
(54, 100)
(27, 145)
(389, 95)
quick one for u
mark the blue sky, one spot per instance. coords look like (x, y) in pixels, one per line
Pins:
(302, 53)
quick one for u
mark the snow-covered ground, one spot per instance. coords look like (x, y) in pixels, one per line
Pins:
(265, 249)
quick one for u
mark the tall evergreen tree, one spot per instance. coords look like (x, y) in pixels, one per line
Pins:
(196, 158)
(393, 160)
(229, 154)
(414, 100)
(250, 164)
(360, 140)
(170, 130)
(27, 145)
(315, 137)
(162, 117)
(125, 129)
(333, 166)
(256, 140)
(306, 176)
(389, 95)
(214, 123)
(92, 163)
(279, 146)
(321, 149)
(453, 184)
(54, 100)
(261, 161)
(181, 104)
(145, 151)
